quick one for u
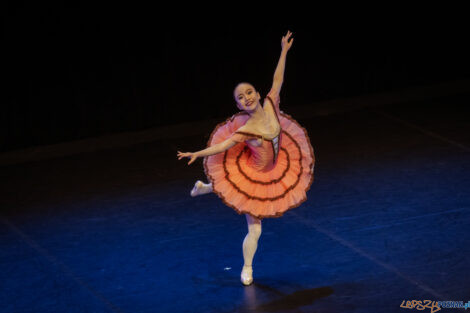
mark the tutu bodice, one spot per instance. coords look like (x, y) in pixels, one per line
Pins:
(263, 155)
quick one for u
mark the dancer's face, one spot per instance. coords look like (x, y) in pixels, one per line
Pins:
(246, 96)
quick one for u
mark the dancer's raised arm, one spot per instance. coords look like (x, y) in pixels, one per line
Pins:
(214, 149)
(279, 73)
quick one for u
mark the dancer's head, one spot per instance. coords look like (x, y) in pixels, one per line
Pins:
(246, 96)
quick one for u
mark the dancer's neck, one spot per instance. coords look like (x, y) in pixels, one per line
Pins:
(258, 114)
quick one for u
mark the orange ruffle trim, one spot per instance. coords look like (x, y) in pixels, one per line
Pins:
(262, 194)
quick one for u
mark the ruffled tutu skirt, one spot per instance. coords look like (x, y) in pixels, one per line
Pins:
(261, 193)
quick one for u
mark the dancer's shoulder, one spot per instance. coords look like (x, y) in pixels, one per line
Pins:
(240, 116)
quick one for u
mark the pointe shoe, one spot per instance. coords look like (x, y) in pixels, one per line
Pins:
(246, 276)
(196, 191)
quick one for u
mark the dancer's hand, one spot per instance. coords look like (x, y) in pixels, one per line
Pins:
(285, 42)
(192, 155)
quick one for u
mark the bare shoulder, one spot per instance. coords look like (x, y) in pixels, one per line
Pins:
(268, 106)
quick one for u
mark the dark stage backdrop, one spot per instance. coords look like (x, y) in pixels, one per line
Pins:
(85, 70)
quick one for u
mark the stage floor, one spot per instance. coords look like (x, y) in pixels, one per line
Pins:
(387, 220)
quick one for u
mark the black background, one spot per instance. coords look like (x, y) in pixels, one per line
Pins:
(87, 69)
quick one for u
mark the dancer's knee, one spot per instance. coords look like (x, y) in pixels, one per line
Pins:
(254, 230)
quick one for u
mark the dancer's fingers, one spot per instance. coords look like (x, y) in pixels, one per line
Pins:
(181, 155)
(193, 158)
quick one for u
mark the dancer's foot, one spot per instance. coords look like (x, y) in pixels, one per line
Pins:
(246, 276)
(200, 188)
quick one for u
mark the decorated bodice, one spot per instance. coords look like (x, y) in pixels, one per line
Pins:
(263, 152)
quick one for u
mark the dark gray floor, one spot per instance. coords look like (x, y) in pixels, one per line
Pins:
(387, 220)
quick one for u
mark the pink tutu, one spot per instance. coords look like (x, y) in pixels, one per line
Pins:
(267, 192)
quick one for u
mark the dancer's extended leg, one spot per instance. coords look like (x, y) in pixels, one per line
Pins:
(250, 244)
(200, 188)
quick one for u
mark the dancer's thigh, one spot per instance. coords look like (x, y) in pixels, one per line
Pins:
(251, 220)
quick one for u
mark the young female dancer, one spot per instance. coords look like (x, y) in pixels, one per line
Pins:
(271, 169)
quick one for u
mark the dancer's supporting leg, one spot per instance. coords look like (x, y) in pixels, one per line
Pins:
(250, 244)
(200, 188)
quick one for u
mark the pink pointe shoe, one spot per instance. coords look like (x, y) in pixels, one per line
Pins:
(201, 189)
(197, 189)
(246, 276)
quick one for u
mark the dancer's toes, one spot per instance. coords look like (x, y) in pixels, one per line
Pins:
(246, 276)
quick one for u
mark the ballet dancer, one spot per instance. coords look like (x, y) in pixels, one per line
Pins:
(260, 161)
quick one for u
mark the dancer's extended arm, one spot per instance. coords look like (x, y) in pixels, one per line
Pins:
(279, 73)
(214, 149)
